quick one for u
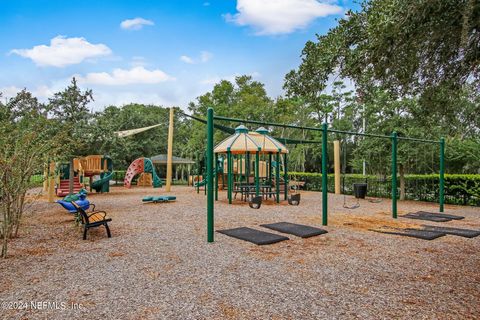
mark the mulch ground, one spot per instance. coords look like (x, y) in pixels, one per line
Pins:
(158, 265)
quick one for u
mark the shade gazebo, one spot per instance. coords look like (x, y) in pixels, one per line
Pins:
(245, 143)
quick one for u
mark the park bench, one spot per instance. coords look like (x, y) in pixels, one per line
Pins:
(92, 219)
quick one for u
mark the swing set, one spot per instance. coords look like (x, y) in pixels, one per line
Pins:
(394, 138)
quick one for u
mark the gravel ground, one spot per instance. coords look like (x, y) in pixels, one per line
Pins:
(158, 264)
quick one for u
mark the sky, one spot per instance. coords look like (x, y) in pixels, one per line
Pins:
(155, 52)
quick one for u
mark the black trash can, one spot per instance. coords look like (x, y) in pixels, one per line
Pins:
(360, 190)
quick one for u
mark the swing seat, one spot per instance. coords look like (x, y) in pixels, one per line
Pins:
(255, 202)
(294, 199)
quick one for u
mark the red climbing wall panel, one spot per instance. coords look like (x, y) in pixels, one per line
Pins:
(136, 167)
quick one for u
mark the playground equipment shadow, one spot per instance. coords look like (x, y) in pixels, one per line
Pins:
(158, 264)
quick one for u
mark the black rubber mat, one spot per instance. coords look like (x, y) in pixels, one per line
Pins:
(426, 217)
(415, 233)
(466, 233)
(298, 230)
(443, 215)
(254, 236)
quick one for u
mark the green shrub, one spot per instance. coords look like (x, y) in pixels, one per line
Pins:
(463, 189)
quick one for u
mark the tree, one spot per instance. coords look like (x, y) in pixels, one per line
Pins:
(28, 140)
(244, 99)
(69, 107)
(414, 64)
(407, 47)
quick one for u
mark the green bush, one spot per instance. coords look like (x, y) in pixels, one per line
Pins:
(36, 180)
(461, 189)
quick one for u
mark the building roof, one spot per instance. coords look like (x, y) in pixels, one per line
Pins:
(244, 141)
(162, 159)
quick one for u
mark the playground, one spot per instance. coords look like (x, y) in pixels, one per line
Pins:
(243, 240)
(159, 262)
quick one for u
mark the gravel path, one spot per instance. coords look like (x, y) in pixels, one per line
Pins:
(158, 265)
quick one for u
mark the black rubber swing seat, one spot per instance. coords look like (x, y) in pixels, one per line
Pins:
(294, 199)
(255, 202)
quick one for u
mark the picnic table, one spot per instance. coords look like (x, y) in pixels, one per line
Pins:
(250, 189)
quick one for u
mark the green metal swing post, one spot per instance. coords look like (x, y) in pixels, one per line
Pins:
(441, 194)
(394, 174)
(324, 174)
(285, 176)
(210, 192)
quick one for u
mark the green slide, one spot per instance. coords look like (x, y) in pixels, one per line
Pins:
(149, 168)
(204, 181)
(201, 183)
(103, 184)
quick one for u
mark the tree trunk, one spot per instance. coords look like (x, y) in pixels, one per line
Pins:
(401, 170)
(4, 246)
(70, 177)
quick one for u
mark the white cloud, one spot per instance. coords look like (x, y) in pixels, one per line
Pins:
(135, 24)
(63, 52)
(270, 17)
(10, 91)
(204, 57)
(187, 59)
(42, 92)
(120, 77)
(212, 80)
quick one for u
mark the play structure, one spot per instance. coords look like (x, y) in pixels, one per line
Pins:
(85, 167)
(144, 167)
(159, 199)
(246, 174)
(199, 180)
(80, 199)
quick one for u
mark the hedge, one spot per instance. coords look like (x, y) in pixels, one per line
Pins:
(463, 189)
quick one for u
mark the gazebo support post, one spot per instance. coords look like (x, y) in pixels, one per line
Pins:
(257, 173)
(240, 170)
(277, 178)
(270, 168)
(229, 166)
(198, 172)
(247, 167)
(216, 177)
